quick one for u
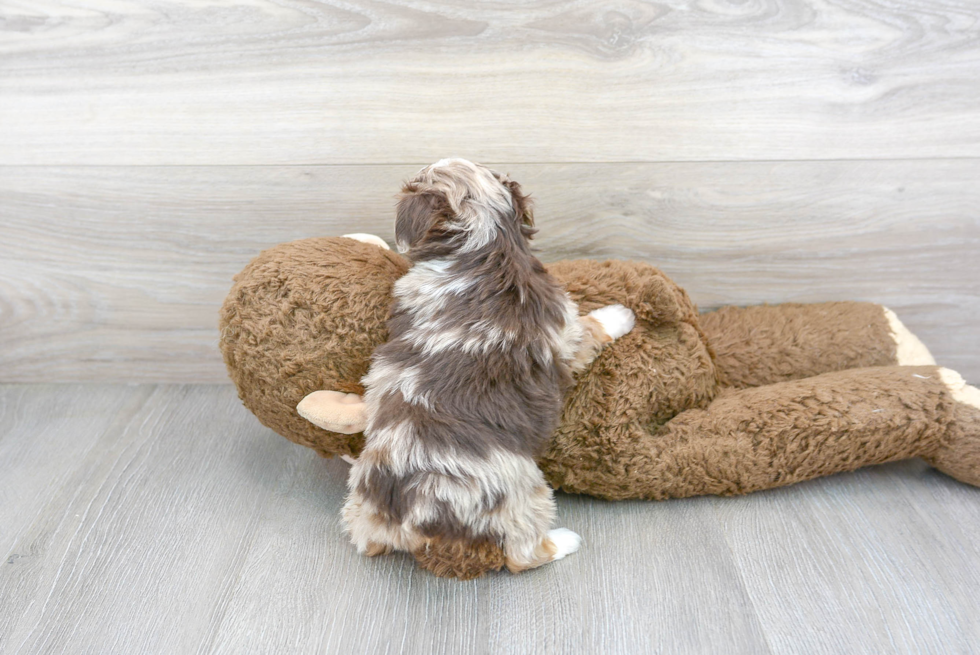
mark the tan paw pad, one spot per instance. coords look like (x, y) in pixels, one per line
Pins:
(909, 350)
(960, 390)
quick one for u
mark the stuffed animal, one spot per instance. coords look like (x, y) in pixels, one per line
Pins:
(728, 402)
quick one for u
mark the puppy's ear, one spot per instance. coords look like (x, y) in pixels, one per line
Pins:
(522, 203)
(418, 215)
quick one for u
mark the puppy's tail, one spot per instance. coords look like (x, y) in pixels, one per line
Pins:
(459, 558)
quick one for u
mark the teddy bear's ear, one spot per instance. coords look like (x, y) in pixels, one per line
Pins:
(418, 215)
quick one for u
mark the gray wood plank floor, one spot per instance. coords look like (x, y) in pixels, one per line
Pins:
(166, 519)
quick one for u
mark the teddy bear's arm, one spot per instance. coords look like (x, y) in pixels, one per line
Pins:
(770, 436)
(755, 346)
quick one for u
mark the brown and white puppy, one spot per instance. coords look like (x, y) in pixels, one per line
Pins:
(468, 388)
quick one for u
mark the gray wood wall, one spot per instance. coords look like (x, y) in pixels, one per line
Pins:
(758, 151)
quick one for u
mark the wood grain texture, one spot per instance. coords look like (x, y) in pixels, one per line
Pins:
(585, 605)
(35, 466)
(905, 569)
(303, 82)
(134, 554)
(117, 273)
(184, 526)
(756, 150)
(190, 528)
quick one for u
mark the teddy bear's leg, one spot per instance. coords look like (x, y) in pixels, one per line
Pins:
(959, 454)
(764, 437)
(755, 346)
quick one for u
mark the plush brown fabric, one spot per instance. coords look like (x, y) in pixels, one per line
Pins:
(725, 403)
(765, 437)
(305, 316)
(762, 345)
(958, 453)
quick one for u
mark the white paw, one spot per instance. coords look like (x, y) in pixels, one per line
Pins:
(565, 540)
(616, 320)
(368, 238)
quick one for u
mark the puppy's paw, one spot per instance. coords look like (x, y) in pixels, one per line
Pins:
(616, 320)
(566, 542)
(369, 238)
(374, 549)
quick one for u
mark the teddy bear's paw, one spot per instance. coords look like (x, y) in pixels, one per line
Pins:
(909, 350)
(959, 389)
(566, 542)
(368, 238)
(616, 320)
(959, 454)
(334, 411)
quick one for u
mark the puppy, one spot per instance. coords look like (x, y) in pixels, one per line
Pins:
(468, 389)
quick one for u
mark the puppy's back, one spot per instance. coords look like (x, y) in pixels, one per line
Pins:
(462, 399)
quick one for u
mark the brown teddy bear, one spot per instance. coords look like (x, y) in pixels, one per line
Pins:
(722, 403)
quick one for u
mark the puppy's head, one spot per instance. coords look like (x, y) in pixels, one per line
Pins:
(455, 205)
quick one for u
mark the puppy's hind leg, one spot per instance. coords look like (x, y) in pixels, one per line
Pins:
(554, 546)
(374, 549)
(524, 523)
(565, 542)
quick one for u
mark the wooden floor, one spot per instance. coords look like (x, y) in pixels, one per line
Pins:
(165, 519)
